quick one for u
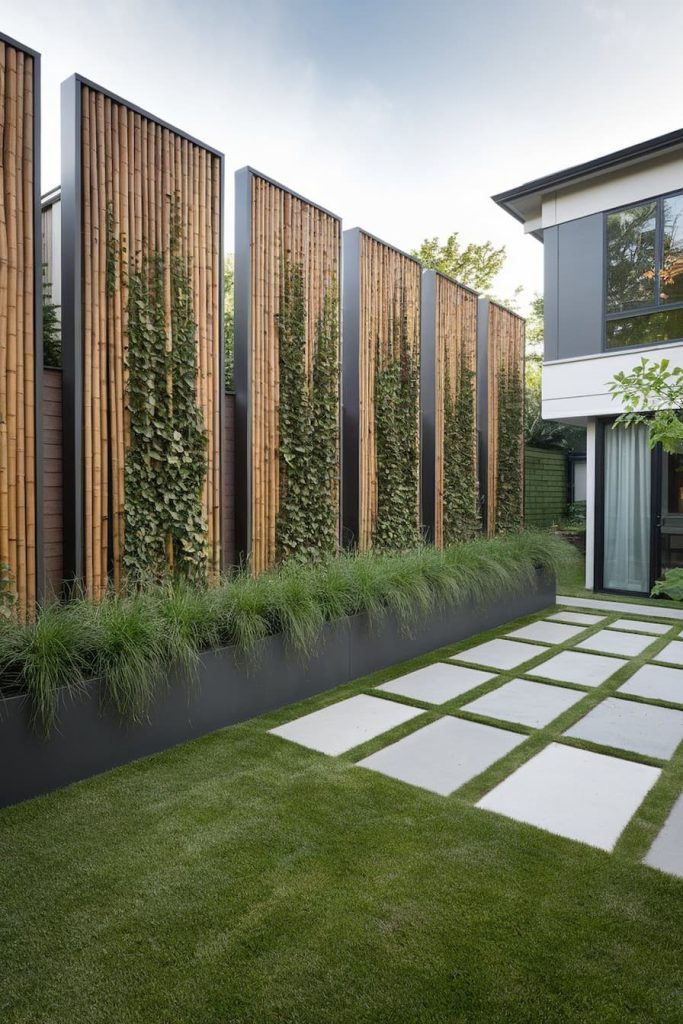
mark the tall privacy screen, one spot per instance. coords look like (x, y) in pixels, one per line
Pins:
(381, 387)
(287, 374)
(450, 483)
(20, 316)
(501, 369)
(142, 323)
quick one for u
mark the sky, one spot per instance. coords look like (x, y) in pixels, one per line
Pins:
(402, 117)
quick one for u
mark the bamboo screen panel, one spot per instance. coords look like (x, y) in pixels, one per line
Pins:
(284, 229)
(131, 165)
(389, 292)
(506, 332)
(455, 350)
(18, 175)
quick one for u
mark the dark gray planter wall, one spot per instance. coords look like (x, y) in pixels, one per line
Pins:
(230, 689)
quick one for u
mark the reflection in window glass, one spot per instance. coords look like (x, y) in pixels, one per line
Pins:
(645, 329)
(671, 270)
(631, 258)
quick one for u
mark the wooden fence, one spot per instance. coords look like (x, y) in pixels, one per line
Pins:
(19, 322)
(449, 404)
(503, 357)
(125, 177)
(381, 317)
(275, 229)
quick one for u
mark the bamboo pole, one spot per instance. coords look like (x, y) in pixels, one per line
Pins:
(4, 305)
(20, 400)
(11, 200)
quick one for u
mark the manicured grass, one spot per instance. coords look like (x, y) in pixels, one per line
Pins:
(241, 878)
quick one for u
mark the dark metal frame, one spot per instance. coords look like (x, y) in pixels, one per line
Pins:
(483, 308)
(428, 384)
(243, 369)
(350, 382)
(601, 426)
(37, 309)
(72, 328)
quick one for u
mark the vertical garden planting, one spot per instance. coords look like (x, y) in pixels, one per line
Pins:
(20, 315)
(381, 395)
(287, 376)
(450, 484)
(501, 348)
(142, 315)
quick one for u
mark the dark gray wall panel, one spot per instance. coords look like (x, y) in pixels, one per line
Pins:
(577, 290)
(550, 275)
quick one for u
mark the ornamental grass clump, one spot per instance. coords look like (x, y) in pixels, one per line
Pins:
(132, 641)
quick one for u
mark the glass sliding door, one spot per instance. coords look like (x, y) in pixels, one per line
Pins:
(627, 509)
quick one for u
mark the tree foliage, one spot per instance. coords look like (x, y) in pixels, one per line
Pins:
(474, 264)
(652, 394)
(229, 321)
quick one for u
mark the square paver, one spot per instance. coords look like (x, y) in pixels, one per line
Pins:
(574, 793)
(640, 626)
(546, 632)
(576, 618)
(672, 654)
(656, 682)
(435, 684)
(579, 668)
(499, 653)
(528, 703)
(444, 755)
(611, 641)
(627, 725)
(666, 853)
(345, 725)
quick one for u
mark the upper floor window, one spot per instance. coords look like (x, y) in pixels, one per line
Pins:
(644, 302)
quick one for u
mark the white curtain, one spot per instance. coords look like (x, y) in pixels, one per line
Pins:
(627, 509)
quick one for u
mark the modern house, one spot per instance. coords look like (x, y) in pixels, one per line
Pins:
(612, 231)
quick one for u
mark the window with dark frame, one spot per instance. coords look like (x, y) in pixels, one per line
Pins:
(644, 300)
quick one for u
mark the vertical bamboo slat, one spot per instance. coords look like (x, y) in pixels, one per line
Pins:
(133, 168)
(455, 349)
(506, 332)
(284, 228)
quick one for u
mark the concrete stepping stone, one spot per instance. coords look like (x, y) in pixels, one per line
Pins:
(579, 668)
(626, 608)
(443, 756)
(640, 626)
(345, 725)
(611, 641)
(528, 703)
(436, 684)
(546, 632)
(574, 793)
(499, 653)
(666, 853)
(627, 725)
(657, 683)
(576, 618)
(672, 654)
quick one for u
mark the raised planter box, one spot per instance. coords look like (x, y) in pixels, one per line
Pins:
(231, 688)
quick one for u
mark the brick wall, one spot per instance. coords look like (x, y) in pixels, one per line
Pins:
(545, 489)
(53, 507)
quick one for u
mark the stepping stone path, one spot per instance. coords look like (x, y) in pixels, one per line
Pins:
(345, 725)
(500, 654)
(574, 793)
(444, 755)
(612, 641)
(588, 795)
(527, 703)
(437, 683)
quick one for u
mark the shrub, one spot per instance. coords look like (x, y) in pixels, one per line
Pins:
(131, 641)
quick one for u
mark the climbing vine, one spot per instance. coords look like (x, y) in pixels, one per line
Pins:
(461, 512)
(306, 524)
(52, 328)
(509, 448)
(397, 398)
(166, 461)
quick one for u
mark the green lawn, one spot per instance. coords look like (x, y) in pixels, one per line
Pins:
(241, 879)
